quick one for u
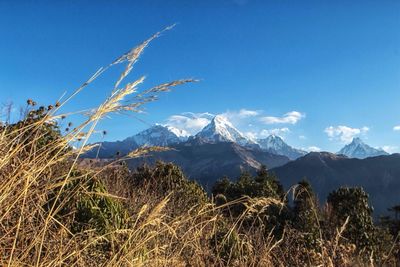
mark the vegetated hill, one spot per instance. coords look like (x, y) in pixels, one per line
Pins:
(207, 162)
(379, 176)
(358, 149)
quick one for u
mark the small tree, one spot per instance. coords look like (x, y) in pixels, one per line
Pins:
(167, 179)
(263, 185)
(352, 203)
(306, 213)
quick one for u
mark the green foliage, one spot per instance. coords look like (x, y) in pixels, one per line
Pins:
(167, 179)
(225, 244)
(31, 127)
(86, 205)
(262, 185)
(352, 203)
(306, 213)
(96, 209)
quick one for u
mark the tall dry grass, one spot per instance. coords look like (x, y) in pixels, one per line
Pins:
(42, 181)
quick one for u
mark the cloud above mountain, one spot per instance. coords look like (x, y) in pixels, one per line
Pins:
(344, 133)
(313, 149)
(391, 149)
(291, 117)
(189, 121)
(396, 128)
(250, 122)
(243, 113)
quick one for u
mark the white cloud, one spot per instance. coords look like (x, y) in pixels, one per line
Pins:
(246, 120)
(396, 128)
(277, 131)
(302, 137)
(391, 149)
(244, 113)
(313, 149)
(344, 133)
(251, 135)
(289, 118)
(241, 114)
(190, 122)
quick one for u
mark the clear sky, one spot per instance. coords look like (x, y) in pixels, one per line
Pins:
(316, 72)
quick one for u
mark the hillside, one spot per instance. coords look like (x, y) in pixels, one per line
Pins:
(379, 176)
(208, 162)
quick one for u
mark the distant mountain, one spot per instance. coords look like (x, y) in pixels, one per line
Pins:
(218, 130)
(275, 144)
(157, 135)
(106, 150)
(358, 149)
(221, 130)
(207, 162)
(379, 176)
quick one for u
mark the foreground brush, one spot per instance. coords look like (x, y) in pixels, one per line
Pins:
(57, 209)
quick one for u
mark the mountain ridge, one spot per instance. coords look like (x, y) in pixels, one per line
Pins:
(209, 162)
(328, 171)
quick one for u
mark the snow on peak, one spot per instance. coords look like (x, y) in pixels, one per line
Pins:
(159, 135)
(357, 141)
(358, 149)
(178, 132)
(222, 130)
(276, 145)
(274, 141)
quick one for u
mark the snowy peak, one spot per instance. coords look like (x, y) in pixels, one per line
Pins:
(276, 145)
(222, 130)
(159, 135)
(358, 149)
(181, 134)
(272, 142)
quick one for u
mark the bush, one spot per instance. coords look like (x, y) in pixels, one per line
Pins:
(271, 216)
(306, 214)
(167, 179)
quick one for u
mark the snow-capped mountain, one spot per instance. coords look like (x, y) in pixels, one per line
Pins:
(221, 130)
(159, 135)
(358, 149)
(275, 144)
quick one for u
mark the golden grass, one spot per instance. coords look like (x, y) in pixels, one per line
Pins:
(35, 232)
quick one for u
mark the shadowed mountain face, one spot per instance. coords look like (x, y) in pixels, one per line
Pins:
(379, 176)
(207, 162)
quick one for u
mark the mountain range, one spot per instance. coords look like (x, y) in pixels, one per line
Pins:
(219, 149)
(220, 130)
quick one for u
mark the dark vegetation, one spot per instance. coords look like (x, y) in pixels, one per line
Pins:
(108, 215)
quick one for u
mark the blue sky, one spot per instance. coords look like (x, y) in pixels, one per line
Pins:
(316, 72)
